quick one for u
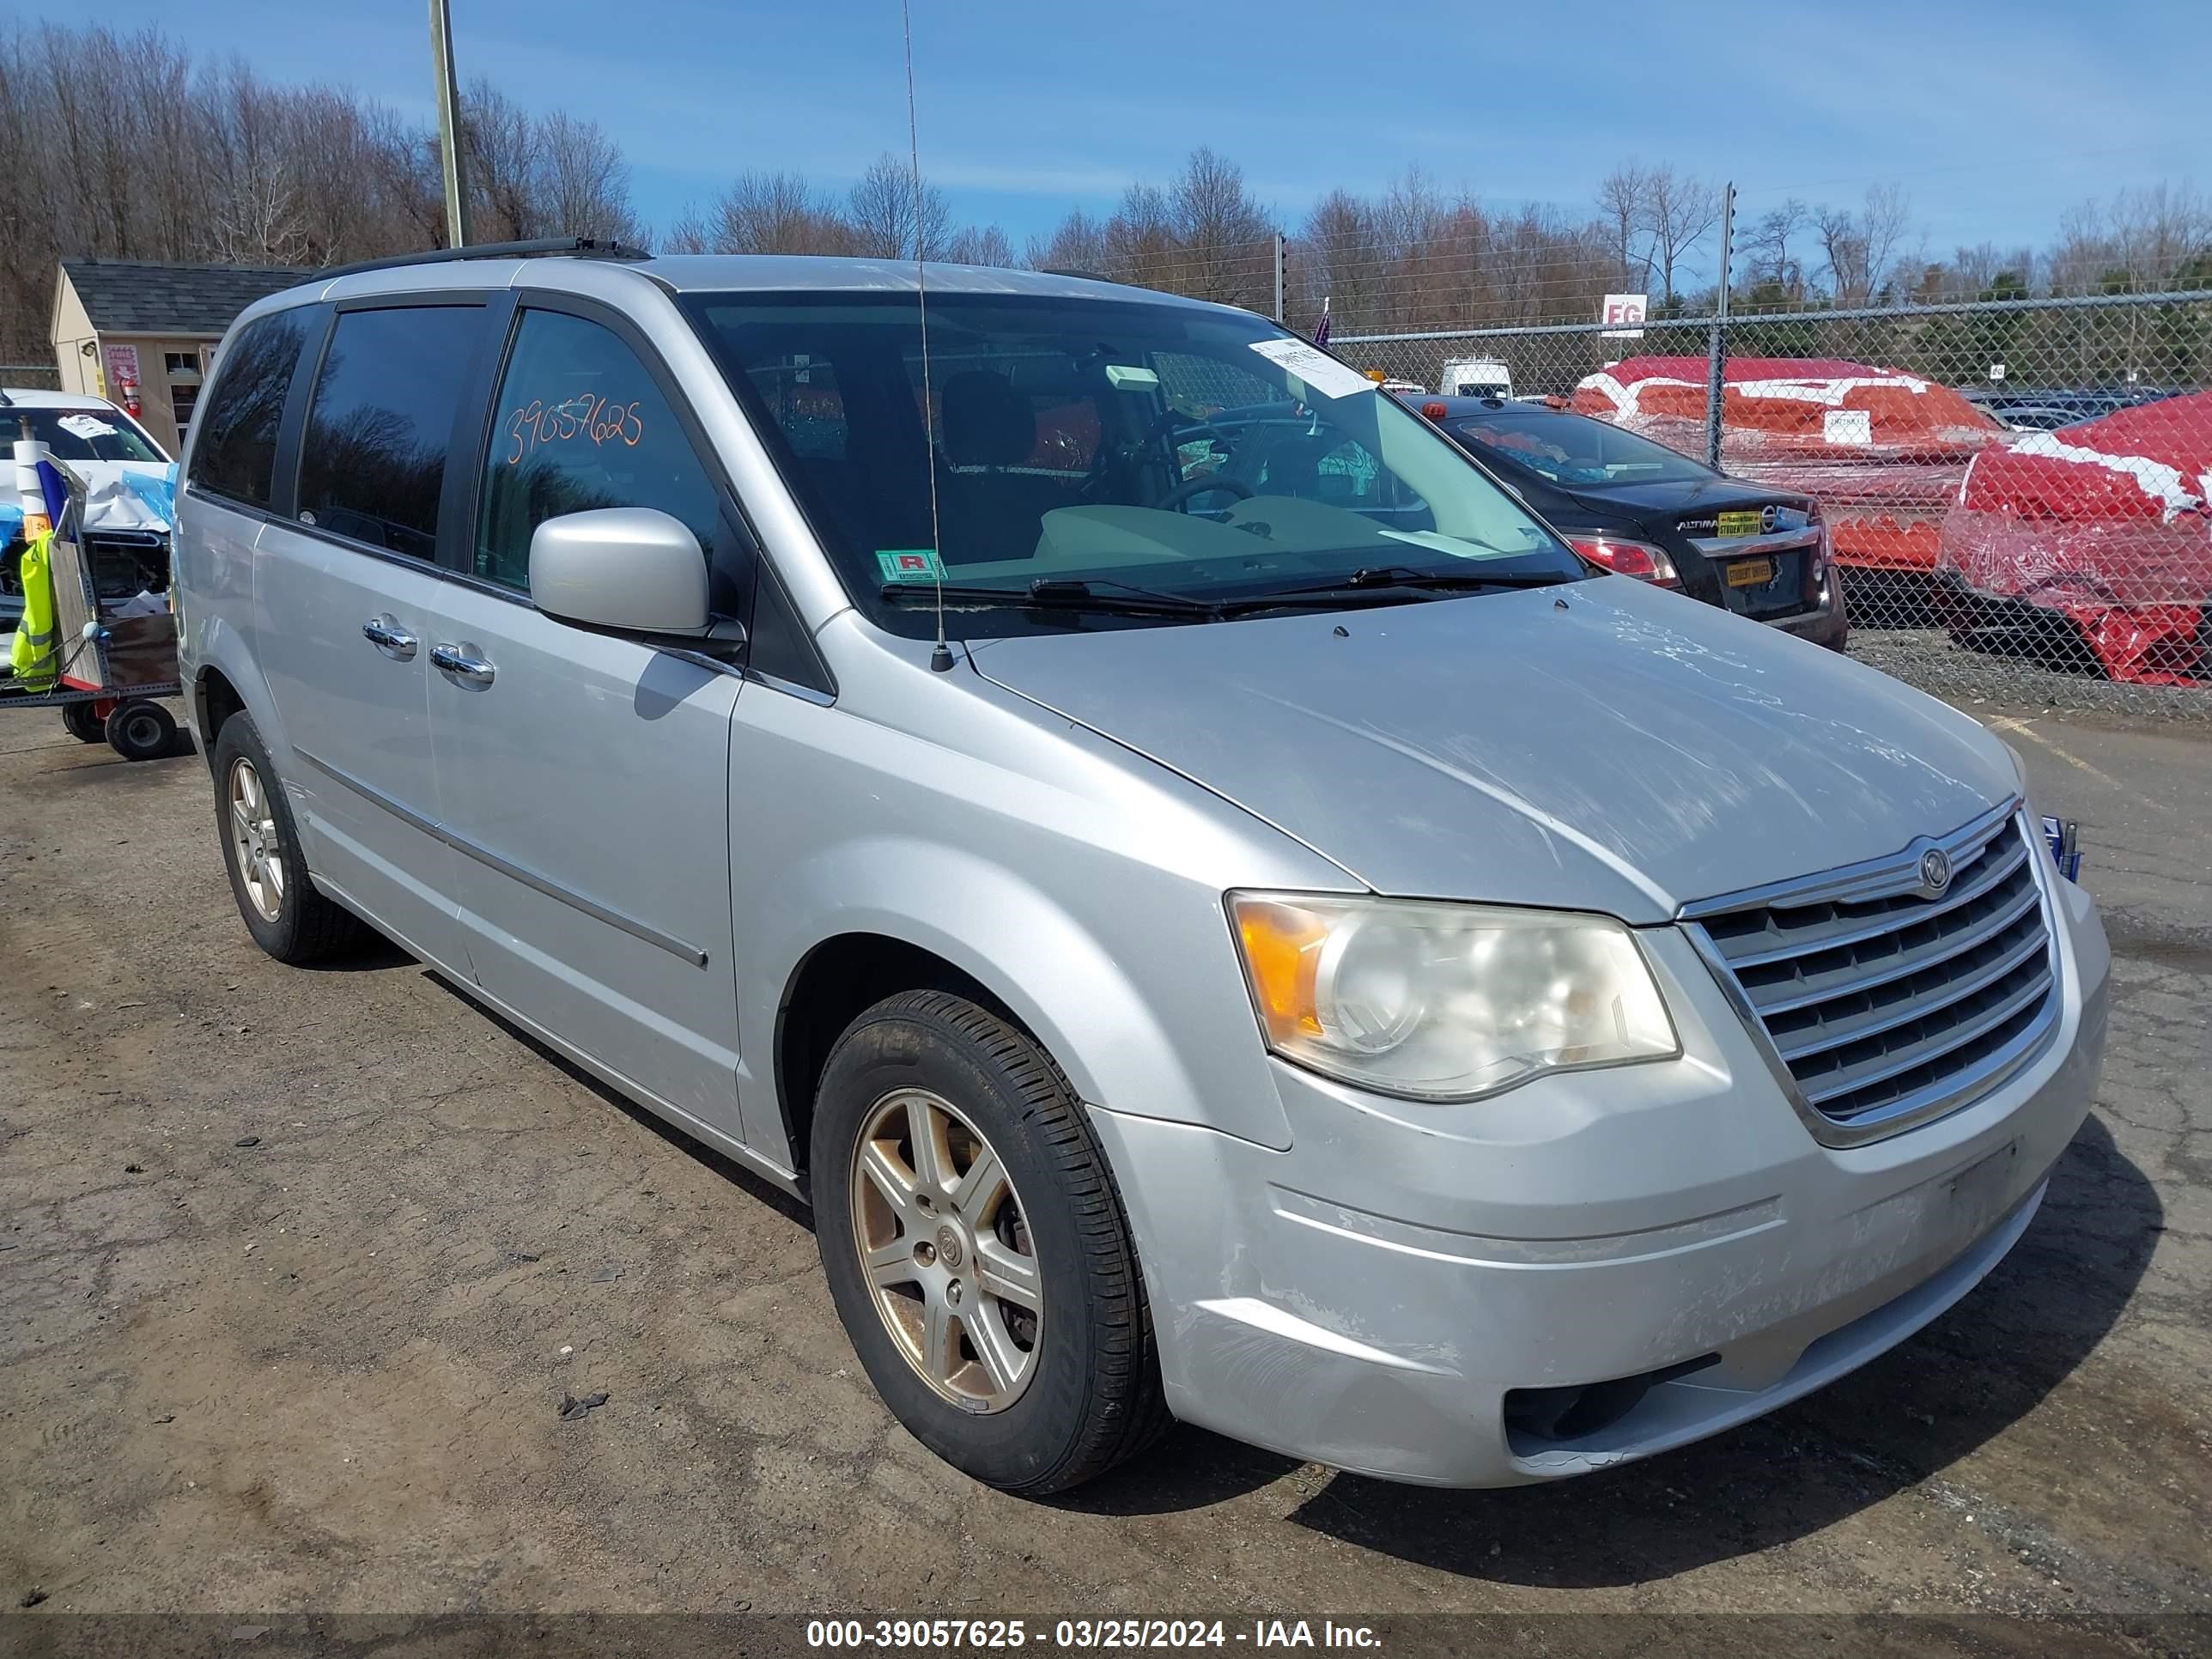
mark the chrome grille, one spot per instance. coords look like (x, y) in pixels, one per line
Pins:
(1883, 1001)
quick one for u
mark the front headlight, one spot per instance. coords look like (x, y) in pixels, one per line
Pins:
(1446, 1001)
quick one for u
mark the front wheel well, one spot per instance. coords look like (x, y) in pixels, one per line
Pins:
(839, 980)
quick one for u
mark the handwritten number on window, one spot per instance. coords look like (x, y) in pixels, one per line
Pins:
(594, 420)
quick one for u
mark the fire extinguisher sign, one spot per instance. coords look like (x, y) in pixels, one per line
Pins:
(122, 365)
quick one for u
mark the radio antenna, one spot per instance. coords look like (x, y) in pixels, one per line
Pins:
(940, 659)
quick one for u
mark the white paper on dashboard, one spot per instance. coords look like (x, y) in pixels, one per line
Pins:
(1321, 372)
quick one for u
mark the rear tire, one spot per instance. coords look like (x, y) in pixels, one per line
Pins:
(139, 730)
(269, 877)
(1047, 1259)
(82, 722)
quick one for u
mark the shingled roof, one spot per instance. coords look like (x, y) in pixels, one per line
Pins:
(134, 296)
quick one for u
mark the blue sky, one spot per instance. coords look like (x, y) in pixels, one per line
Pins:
(1994, 118)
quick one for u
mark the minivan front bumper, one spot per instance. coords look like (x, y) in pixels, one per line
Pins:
(1430, 1294)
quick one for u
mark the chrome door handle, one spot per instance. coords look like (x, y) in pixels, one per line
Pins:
(382, 630)
(451, 657)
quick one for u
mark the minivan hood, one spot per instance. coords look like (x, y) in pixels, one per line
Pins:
(1601, 746)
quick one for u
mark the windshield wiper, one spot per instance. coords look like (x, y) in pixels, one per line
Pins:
(1376, 584)
(1048, 593)
(1405, 575)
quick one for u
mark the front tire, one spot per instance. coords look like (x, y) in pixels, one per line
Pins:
(976, 1248)
(269, 878)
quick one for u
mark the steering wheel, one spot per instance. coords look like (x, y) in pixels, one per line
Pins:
(1205, 484)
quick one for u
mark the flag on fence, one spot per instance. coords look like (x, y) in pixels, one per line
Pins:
(1320, 333)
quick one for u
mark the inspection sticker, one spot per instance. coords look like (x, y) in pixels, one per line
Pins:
(909, 564)
(1321, 372)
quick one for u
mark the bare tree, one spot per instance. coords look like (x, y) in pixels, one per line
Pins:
(686, 233)
(1772, 268)
(1140, 238)
(1861, 248)
(1679, 213)
(1076, 243)
(583, 184)
(501, 149)
(777, 213)
(1624, 203)
(1342, 261)
(986, 245)
(1227, 240)
(891, 219)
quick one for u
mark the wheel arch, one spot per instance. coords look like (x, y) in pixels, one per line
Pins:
(831, 986)
(928, 916)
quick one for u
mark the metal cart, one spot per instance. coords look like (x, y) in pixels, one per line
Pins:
(109, 666)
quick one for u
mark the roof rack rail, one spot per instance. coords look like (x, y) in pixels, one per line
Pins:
(582, 247)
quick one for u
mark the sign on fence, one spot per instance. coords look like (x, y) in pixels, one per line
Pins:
(1623, 316)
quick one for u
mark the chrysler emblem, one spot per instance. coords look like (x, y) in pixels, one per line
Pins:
(1934, 871)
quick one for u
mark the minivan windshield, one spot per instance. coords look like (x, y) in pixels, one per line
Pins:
(1576, 451)
(1145, 462)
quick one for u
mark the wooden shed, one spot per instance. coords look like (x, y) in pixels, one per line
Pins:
(155, 324)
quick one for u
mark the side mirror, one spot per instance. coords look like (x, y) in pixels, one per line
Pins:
(632, 567)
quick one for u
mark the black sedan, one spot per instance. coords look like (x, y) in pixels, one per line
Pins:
(1641, 509)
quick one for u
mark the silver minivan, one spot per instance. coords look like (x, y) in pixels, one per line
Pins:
(1223, 914)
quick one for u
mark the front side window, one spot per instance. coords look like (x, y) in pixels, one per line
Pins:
(1204, 456)
(579, 423)
(234, 450)
(372, 461)
(1573, 449)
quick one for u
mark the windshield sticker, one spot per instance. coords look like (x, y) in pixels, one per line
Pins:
(85, 426)
(909, 564)
(1321, 372)
(1121, 374)
(593, 419)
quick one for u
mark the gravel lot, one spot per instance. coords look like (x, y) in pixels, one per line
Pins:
(295, 1269)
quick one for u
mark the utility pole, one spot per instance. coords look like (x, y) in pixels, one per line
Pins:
(1278, 276)
(449, 125)
(1716, 344)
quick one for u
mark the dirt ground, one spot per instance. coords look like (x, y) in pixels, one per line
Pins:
(295, 1268)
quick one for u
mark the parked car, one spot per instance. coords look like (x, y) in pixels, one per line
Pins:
(1243, 925)
(1882, 450)
(1475, 377)
(2027, 408)
(1641, 509)
(2091, 548)
(2039, 418)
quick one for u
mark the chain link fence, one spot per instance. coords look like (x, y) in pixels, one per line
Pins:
(32, 377)
(2015, 491)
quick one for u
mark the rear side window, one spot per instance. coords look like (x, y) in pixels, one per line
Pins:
(372, 460)
(235, 452)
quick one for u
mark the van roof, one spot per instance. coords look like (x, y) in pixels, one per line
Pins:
(718, 272)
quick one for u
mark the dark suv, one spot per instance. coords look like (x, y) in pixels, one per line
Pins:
(1641, 509)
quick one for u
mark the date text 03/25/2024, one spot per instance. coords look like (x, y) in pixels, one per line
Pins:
(1084, 1634)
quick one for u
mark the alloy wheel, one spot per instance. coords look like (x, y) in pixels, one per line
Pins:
(946, 1251)
(258, 849)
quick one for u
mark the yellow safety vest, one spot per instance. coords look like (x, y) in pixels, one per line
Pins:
(33, 656)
